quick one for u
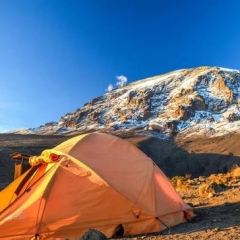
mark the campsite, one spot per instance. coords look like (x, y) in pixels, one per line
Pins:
(113, 185)
(119, 120)
(216, 215)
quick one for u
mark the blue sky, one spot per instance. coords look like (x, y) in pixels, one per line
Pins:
(56, 55)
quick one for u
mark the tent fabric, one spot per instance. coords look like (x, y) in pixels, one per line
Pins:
(90, 181)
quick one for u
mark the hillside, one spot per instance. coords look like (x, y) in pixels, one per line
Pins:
(201, 101)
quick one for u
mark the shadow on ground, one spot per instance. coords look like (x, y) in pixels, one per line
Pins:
(180, 158)
(222, 218)
(217, 218)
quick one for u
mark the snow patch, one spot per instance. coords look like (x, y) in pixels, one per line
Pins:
(229, 69)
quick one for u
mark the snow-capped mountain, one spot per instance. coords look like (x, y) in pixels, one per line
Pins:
(197, 101)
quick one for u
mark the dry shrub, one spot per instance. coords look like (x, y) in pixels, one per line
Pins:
(221, 179)
(213, 177)
(183, 185)
(187, 177)
(205, 190)
(235, 172)
(181, 182)
(174, 181)
(216, 179)
(227, 178)
(211, 188)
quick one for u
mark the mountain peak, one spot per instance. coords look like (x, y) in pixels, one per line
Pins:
(202, 100)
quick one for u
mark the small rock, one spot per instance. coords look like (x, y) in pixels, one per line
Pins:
(93, 234)
(202, 179)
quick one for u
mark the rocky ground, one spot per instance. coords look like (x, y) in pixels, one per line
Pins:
(211, 184)
(200, 169)
(216, 203)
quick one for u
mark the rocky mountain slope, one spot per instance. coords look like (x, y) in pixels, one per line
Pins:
(199, 101)
(195, 110)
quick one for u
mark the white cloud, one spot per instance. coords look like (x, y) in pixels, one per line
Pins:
(110, 88)
(121, 80)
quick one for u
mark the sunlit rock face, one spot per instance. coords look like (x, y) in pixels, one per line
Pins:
(197, 101)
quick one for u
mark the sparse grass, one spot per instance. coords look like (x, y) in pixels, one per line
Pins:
(208, 186)
(218, 182)
(235, 172)
(206, 190)
(218, 179)
(181, 182)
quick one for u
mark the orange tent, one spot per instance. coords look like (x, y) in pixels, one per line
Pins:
(94, 181)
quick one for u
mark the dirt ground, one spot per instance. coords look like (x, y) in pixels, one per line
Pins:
(217, 209)
(212, 188)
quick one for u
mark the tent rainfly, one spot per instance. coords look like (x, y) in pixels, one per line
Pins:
(95, 181)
